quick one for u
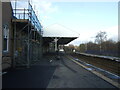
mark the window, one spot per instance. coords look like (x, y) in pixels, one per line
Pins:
(6, 38)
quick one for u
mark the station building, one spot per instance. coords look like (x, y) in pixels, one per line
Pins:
(7, 35)
(21, 36)
(24, 40)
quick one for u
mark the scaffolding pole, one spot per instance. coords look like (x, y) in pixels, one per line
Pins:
(14, 58)
(28, 43)
(25, 42)
(28, 49)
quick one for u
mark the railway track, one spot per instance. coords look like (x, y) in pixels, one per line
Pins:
(109, 65)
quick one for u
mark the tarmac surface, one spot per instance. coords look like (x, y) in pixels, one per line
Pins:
(53, 73)
(37, 76)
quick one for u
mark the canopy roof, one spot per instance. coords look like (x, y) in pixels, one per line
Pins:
(57, 30)
(64, 34)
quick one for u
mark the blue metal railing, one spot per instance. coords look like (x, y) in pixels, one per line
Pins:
(28, 14)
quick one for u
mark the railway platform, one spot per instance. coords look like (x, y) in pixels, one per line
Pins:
(52, 72)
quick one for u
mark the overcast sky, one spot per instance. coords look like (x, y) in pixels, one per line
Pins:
(85, 18)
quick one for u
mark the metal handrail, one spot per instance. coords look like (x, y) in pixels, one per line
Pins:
(28, 14)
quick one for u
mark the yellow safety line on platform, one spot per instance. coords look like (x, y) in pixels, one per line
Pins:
(98, 74)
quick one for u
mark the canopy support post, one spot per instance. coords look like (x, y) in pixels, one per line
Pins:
(56, 40)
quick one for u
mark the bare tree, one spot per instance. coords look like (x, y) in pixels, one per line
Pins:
(100, 37)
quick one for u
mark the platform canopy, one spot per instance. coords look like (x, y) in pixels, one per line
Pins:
(63, 34)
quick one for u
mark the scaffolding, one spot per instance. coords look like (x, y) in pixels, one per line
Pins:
(27, 37)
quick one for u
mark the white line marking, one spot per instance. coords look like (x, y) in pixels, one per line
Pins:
(98, 74)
